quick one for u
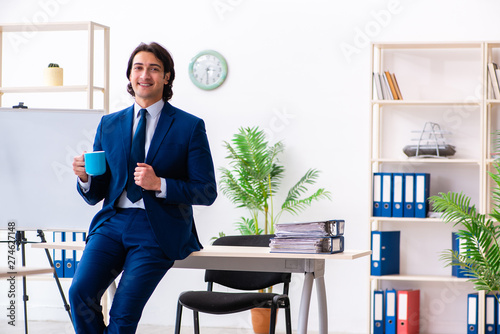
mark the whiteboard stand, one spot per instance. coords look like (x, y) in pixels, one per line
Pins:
(41, 235)
(20, 242)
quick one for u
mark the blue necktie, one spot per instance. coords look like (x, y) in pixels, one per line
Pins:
(137, 154)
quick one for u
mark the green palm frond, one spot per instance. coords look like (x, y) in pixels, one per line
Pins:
(239, 190)
(293, 203)
(246, 226)
(496, 141)
(456, 207)
(496, 191)
(481, 247)
(251, 150)
(299, 205)
(276, 177)
(299, 188)
(310, 177)
(221, 234)
(482, 276)
(480, 235)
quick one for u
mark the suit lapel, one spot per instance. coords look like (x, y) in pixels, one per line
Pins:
(164, 123)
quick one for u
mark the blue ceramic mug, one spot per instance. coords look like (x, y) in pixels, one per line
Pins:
(95, 163)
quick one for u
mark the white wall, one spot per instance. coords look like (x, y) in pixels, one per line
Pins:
(298, 68)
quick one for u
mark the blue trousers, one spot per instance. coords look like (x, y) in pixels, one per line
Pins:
(124, 244)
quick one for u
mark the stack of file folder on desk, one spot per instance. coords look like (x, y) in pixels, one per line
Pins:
(309, 237)
(308, 245)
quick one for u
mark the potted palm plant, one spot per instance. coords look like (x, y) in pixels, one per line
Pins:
(253, 181)
(254, 178)
(480, 233)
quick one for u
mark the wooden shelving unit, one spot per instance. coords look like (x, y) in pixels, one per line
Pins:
(89, 86)
(449, 83)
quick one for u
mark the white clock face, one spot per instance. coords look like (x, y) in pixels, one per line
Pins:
(208, 70)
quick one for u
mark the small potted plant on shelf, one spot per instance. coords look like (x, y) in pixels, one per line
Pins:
(253, 181)
(479, 256)
(53, 75)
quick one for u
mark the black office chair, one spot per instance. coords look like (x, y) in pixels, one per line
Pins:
(233, 302)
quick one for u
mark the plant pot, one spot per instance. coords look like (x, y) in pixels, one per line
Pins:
(261, 318)
(53, 76)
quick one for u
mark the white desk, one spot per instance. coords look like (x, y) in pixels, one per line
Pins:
(260, 259)
(24, 271)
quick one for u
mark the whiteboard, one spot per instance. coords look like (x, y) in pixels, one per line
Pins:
(37, 183)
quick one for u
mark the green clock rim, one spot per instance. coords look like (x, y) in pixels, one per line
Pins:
(224, 69)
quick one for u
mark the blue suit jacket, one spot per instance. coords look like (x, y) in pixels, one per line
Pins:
(179, 152)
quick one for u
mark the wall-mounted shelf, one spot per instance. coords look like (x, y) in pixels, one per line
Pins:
(419, 278)
(89, 86)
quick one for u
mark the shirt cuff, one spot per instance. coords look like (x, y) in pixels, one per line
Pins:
(85, 186)
(163, 192)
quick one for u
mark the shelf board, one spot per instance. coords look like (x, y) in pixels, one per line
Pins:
(24, 271)
(493, 44)
(428, 102)
(49, 277)
(429, 161)
(407, 220)
(429, 45)
(49, 89)
(55, 26)
(62, 110)
(420, 278)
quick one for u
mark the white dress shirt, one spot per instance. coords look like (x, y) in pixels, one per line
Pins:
(152, 117)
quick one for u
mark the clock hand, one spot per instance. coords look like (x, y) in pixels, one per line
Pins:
(203, 74)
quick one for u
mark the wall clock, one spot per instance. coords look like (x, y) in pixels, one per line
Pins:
(208, 69)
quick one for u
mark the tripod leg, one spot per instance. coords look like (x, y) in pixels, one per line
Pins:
(21, 241)
(51, 263)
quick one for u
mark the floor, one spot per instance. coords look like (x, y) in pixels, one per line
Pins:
(49, 327)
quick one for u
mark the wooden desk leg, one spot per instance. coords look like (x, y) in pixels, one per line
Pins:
(305, 301)
(322, 308)
(109, 293)
(104, 303)
(112, 291)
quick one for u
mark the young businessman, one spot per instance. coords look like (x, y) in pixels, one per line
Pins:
(146, 222)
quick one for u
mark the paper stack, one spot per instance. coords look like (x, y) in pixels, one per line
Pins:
(309, 237)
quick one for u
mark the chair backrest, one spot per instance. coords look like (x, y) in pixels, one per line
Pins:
(246, 280)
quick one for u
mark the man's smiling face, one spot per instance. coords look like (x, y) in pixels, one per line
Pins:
(147, 78)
